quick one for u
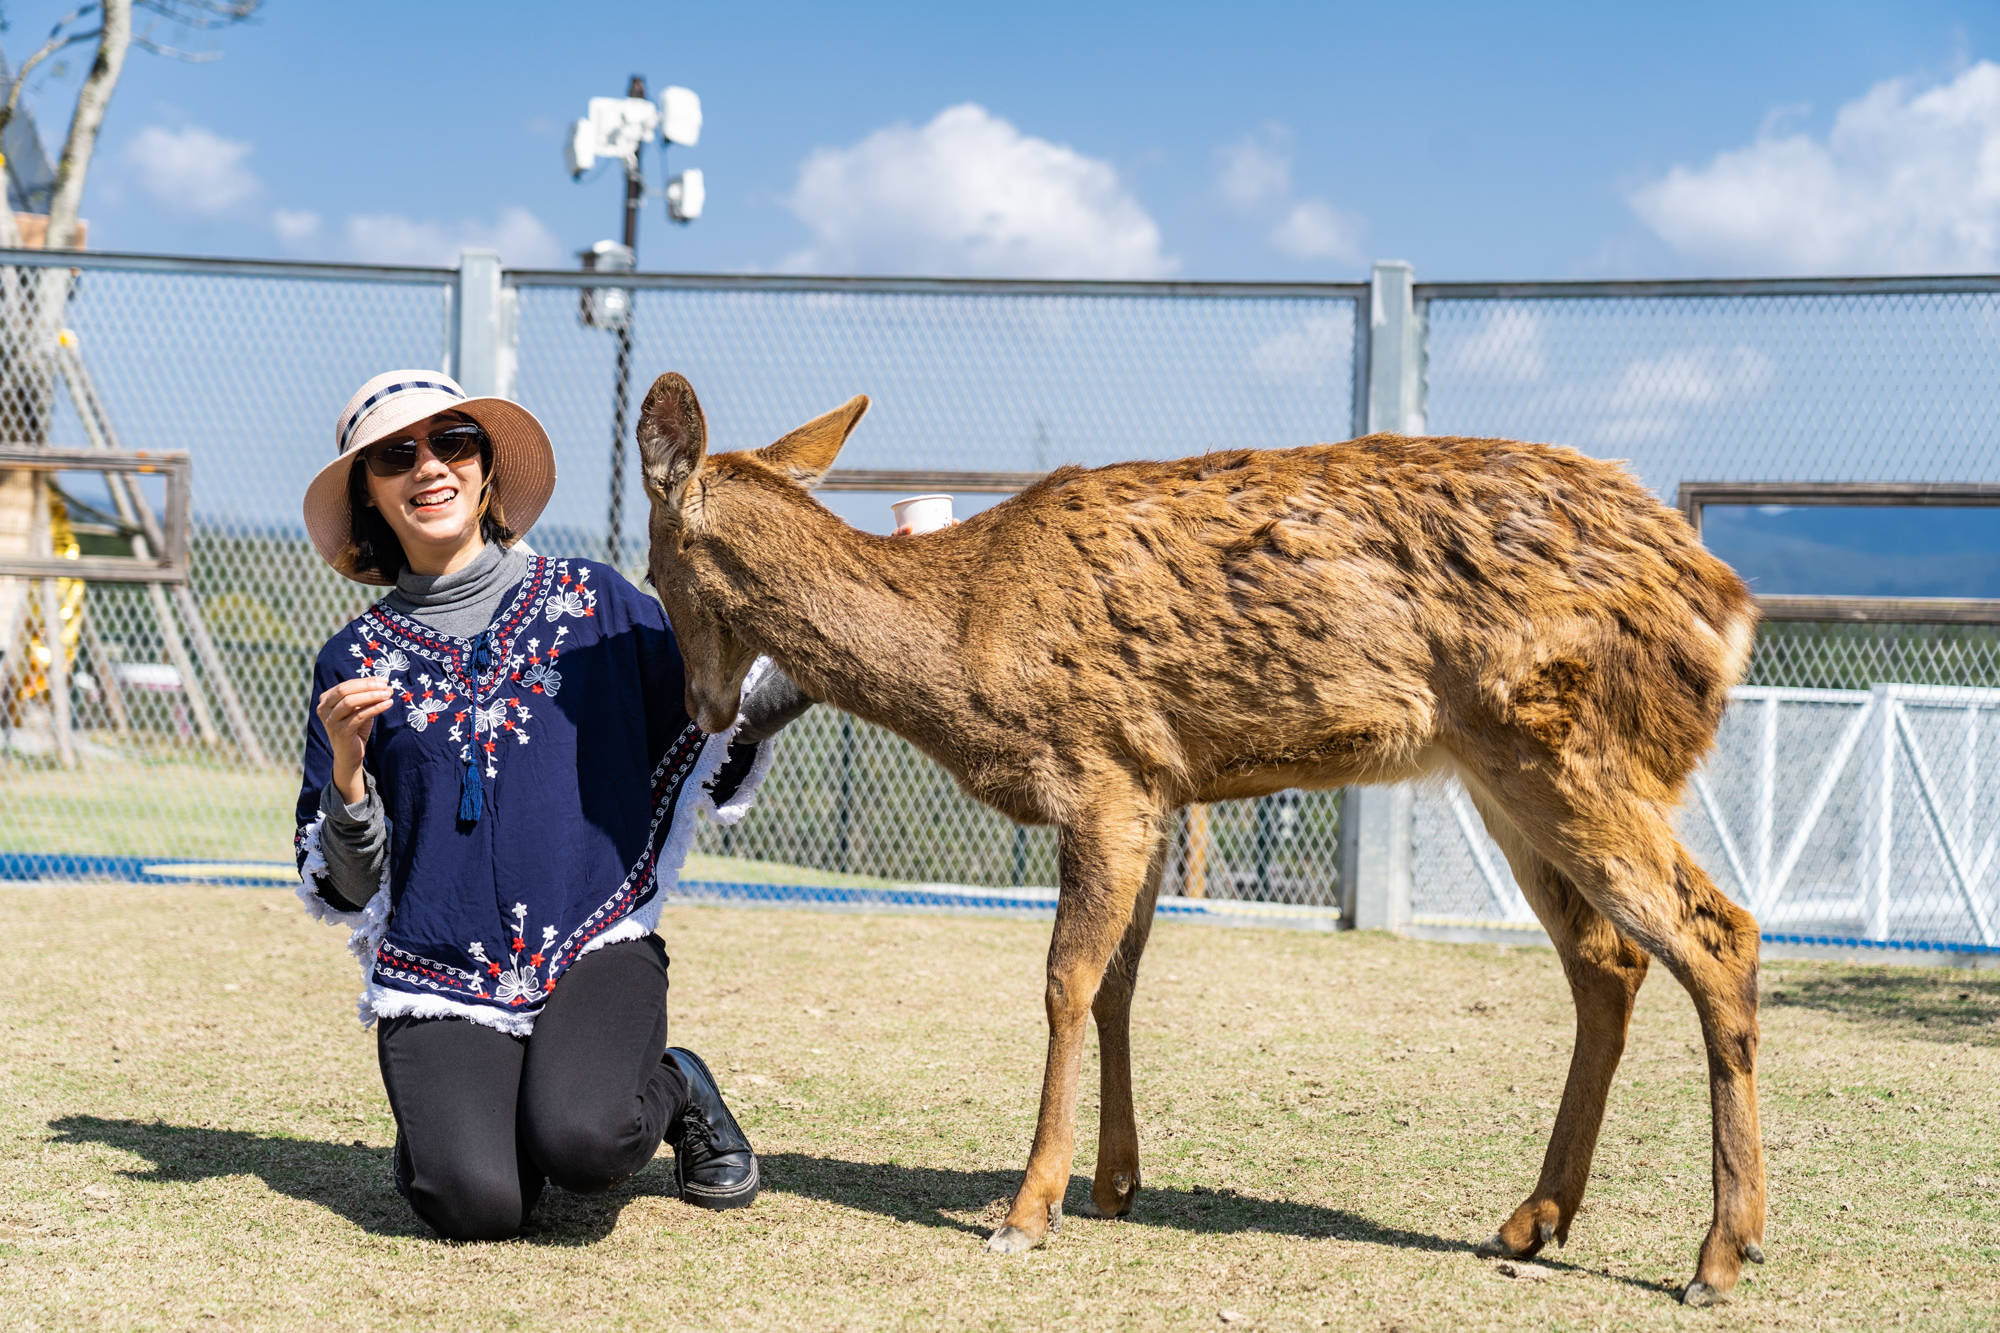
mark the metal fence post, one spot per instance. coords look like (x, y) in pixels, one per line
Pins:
(1375, 846)
(1376, 823)
(483, 352)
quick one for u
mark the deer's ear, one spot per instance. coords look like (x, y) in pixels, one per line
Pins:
(673, 437)
(808, 452)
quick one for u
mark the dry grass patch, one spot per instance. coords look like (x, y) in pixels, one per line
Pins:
(195, 1136)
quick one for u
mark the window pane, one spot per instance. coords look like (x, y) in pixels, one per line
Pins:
(1859, 550)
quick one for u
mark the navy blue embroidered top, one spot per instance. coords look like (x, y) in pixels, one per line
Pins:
(530, 810)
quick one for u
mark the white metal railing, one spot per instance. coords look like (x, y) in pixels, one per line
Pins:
(1871, 814)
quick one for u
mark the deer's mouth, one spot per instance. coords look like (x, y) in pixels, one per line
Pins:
(711, 715)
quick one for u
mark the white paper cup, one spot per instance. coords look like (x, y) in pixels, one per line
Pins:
(923, 513)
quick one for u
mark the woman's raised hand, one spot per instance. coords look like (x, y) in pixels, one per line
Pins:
(348, 713)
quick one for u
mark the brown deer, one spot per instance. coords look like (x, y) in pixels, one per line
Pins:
(1110, 645)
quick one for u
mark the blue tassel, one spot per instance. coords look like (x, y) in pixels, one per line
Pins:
(472, 791)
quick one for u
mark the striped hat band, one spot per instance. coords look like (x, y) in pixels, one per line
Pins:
(386, 393)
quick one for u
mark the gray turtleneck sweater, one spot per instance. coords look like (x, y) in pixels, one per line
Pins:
(462, 604)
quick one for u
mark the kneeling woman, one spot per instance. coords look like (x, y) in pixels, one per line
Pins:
(500, 781)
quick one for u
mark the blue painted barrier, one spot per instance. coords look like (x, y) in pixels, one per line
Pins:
(280, 874)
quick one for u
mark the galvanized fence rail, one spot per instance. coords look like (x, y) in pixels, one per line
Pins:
(187, 709)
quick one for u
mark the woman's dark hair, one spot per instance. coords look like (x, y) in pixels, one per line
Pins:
(372, 547)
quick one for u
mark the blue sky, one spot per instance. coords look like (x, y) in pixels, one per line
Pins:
(1255, 140)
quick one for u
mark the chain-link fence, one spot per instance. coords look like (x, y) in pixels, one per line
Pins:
(187, 703)
(988, 377)
(1854, 793)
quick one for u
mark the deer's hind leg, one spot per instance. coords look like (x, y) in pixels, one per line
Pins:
(1103, 858)
(1116, 1182)
(1621, 855)
(1605, 971)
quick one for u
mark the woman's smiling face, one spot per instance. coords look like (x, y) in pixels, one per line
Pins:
(434, 507)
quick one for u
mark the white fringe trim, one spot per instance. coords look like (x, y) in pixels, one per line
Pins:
(371, 923)
(746, 791)
(379, 1002)
(365, 927)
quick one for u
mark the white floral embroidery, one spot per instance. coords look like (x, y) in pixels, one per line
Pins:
(519, 981)
(571, 597)
(542, 678)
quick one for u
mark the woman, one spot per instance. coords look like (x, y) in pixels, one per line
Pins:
(499, 784)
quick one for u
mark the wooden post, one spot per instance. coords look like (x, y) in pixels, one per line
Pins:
(61, 722)
(1198, 837)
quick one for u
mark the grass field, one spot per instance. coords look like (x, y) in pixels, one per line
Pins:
(194, 1136)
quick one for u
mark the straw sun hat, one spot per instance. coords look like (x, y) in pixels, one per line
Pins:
(524, 464)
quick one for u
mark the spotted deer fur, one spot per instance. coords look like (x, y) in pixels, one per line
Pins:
(1115, 643)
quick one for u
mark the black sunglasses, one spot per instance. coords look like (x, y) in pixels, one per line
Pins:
(392, 458)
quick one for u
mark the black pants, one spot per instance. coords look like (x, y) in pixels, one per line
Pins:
(485, 1118)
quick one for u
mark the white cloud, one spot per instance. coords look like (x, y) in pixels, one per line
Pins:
(1253, 179)
(1320, 346)
(392, 238)
(191, 171)
(1255, 171)
(1315, 229)
(1907, 180)
(1509, 344)
(1693, 377)
(969, 193)
(295, 226)
(1652, 398)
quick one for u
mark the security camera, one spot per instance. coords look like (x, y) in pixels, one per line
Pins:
(622, 125)
(582, 148)
(685, 195)
(680, 117)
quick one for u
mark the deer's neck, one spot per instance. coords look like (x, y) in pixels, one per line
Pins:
(868, 624)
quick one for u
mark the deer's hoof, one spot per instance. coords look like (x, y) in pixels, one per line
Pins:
(1111, 1198)
(1012, 1240)
(1494, 1246)
(1699, 1294)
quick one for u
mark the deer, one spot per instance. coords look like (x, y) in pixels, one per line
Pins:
(1112, 644)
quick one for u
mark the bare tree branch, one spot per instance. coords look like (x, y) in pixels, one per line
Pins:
(146, 43)
(56, 42)
(202, 15)
(91, 101)
(193, 16)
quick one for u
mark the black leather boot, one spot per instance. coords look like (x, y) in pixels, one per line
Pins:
(712, 1159)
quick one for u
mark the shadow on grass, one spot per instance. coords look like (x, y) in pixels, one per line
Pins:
(1927, 1003)
(350, 1179)
(353, 1180)
(937, 1196)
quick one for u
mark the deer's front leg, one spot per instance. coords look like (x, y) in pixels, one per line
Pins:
(1103, 863)
(1117, 1179)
